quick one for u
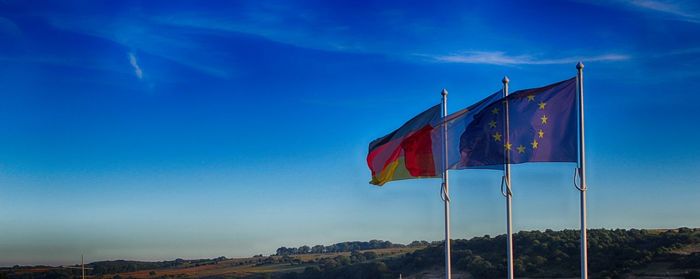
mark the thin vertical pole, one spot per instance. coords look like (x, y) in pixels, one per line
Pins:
(506, 179)
(445, 189)
(582, 174)
(82, 264)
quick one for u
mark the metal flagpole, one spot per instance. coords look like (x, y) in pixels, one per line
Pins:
(582, 174)
(506, 181)
(82, 264)
(445, 188)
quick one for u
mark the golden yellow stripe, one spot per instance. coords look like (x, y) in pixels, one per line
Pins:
(394, 171)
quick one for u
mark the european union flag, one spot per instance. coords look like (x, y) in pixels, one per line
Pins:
(541, 128)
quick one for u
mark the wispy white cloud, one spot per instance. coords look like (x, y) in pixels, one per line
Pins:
(661, 6)
(304, 33)
(182, 48)
(502, 59)
(677, 9)
(189, 33)
(135, 65)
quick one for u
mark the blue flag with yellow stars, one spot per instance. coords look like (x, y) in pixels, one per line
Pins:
(542, 127)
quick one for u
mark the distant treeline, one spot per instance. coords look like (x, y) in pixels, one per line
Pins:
(100, 268)
(348, 246)
(121, 266)
(552, 254)
(538, 254)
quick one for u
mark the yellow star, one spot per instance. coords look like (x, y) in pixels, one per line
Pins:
(497, 136)
(544, 119)
(534, 144)
(542, 104)
(507, 146)
(492, 124)
(495, 110)
(530, 98)
(521, 149)
(541, 133)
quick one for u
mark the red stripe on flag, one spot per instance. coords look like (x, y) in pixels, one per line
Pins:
(418, 153)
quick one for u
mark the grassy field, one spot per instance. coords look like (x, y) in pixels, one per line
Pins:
(240, 267)
(654, 253)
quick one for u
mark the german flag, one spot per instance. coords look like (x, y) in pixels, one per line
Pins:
(407, 152)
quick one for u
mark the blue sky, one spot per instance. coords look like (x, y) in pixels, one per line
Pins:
(164, 129)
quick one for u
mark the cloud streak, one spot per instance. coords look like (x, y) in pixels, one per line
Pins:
(302, 34)
(682, 10)
(183, 47)
(135, 65)
(502, 59)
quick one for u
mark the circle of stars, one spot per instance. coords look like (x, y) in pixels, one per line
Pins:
(521, 148)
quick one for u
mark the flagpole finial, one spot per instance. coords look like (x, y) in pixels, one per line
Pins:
(505, 80)
(579, 65)
(444, 92)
